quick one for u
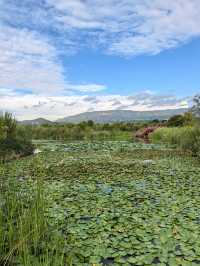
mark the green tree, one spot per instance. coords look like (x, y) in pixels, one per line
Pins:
(196, 107)
(10, 125)
(176, 121)
(90, 123)
(2, 128)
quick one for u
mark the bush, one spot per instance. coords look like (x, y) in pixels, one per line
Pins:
(176, 121)
(186, 119)
(13, 143)
(19, 146)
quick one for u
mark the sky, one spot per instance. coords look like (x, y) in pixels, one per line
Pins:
(63, 57)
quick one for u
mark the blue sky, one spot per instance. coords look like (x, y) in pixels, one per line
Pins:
(173, 71)
(63, 57)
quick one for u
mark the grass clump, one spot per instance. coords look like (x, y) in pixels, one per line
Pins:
(26, 237)
(186, 138)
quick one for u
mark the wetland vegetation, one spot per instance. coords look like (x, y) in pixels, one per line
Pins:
(101, 202)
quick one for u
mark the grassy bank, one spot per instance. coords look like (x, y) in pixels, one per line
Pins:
(185, 138)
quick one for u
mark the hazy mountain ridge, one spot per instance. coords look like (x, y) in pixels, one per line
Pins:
(121, 116)
(110, 116)
(37, 122)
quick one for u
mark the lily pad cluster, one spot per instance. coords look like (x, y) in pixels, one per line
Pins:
(123, 207)
(96, 146)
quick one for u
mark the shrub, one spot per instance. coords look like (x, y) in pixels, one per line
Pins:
(176, 121)
(186, 119)
(20, 146)
(12, 142)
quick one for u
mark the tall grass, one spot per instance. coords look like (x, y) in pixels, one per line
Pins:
(26, 237)
(186, 138)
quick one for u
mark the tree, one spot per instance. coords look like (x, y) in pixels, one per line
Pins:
(10, 125)
(90, 123)
(196, 106)
(12, 142)
(176, 121)
(181, 120)
(2, 128)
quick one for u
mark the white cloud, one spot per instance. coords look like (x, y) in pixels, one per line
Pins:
(126, 27)
(134, 27)
(34, 106)
(7, 92)
(28, 62)
(86, 87)
(35, 34)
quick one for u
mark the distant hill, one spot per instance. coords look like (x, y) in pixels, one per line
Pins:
(121, 116)
(37, 122)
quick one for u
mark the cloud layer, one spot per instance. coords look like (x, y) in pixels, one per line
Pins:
(35, 35)
(28, 61)
(34, 106)
(131, 28)
(31, 45)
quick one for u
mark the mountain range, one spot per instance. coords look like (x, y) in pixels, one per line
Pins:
(37, 122)
(111, 116)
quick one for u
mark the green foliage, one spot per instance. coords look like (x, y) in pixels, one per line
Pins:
(90, 123)
(196, 106)
(8, 126)
(13, 143)
(176, 121)
(190, 140)
(186, 138)
(114, 203)
(25, 233)
(84, 131)
(20, 147)
(181, 120)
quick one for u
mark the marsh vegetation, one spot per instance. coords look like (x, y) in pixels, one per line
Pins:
(101, 201)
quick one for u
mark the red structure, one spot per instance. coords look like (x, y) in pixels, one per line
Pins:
(144, 133)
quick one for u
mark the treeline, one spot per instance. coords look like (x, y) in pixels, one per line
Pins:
(93, 131)
(84, 131)
(89, 130)
(13, 144)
